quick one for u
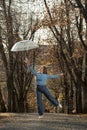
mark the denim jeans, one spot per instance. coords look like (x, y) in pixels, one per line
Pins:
(43, 90)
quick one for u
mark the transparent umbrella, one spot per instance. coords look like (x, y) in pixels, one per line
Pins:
(24, 45)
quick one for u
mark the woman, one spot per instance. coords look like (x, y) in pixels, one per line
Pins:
(41, 79)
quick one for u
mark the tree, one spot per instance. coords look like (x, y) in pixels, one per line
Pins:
(17, 81)
(64, 32)
(81, 23)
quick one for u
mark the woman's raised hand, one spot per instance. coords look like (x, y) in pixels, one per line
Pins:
(27, 61)
(62, 74)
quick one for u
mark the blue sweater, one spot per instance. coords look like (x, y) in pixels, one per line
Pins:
(42, 78)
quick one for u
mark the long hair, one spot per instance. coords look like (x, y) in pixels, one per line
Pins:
(44, 70)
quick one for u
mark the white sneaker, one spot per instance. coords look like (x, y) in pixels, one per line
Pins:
(60, 106)
(41, 116)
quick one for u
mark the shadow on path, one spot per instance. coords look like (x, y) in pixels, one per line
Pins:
(50, 121)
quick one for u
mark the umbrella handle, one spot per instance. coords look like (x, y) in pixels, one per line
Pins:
(26, 54)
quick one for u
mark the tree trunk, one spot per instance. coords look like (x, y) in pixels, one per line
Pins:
(21, 106)
(71, 96)
(2, 104)
(11, 94)
(78, 97)
(84, 88)
(84, 98)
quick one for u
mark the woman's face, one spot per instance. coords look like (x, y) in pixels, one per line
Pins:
(41, 69)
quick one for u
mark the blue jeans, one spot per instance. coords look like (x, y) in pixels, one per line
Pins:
(44, 90)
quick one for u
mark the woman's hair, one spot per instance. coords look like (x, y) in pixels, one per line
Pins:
(44, 70)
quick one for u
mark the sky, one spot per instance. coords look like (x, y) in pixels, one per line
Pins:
(37, 8)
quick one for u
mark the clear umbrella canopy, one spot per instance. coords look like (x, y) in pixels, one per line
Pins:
(24, 45)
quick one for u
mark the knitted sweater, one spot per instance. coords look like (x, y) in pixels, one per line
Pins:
(40, 77)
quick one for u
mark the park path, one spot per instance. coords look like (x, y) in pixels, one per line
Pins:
(50, 121)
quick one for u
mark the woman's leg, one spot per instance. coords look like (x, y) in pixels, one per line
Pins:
(48, 95)
(40, 103)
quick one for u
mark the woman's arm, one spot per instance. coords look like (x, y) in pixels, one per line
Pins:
(30, 68)
(54, 76)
